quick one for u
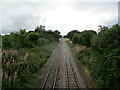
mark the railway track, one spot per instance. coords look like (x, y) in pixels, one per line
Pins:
(51, 78)
(61, 71)
(71, 80)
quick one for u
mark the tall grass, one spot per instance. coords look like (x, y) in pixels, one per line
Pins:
(21, 67)
(84, 57)
(94, 66)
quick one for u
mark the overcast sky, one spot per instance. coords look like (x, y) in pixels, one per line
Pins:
(62, 15)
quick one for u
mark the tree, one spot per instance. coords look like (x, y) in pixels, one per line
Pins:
(107, 43)
(85, 37)
(65, 36)
(75, 38)
(23, 39)
(40, 28)
(33, 36)
(71, 33)
(6, 42)
(56, 34)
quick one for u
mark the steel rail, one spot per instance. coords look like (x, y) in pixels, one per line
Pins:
(54, 84)
(44, 83)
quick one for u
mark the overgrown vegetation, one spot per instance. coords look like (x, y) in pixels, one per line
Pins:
(100, 53)
(24, 53)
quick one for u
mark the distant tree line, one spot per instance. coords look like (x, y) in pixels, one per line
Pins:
(81, 38)
(22, 39)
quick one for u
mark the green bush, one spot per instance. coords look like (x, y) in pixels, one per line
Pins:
(75, 38)
(107, 43)
(83, 38)
(24, 53)
(19, 66)
(103, 57)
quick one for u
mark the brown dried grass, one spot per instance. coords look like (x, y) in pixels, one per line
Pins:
(79, 49)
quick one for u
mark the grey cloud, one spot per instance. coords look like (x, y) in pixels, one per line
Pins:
(0, 18)
(98, 8)
(111, 22)
(29, 14)
(22, 21)
(23, 15)
(95, 7)
(59, 0)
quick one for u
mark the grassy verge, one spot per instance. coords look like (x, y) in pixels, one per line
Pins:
(21, 67)
(101, 70)
(86, 59)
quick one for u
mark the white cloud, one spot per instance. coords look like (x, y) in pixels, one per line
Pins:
(59, 1)
(56, 15)
(65, 18)
(23, 15)
(0, 18)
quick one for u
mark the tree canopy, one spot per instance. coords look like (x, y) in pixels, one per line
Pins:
(22, 39)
